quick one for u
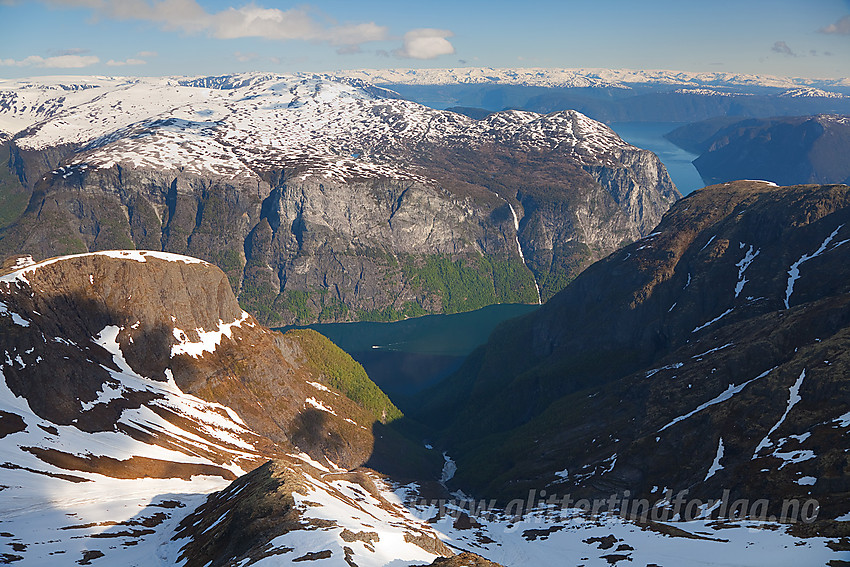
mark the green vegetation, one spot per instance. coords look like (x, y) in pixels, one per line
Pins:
(471, 282)
(333, 309)
(259, 300)
(215, 216)
(296, 302)
(456, 284)
(230, 262)
(345, 374)
(389, 313)
(12, 205)
(113, 231)
(268, 306)
(566, 265)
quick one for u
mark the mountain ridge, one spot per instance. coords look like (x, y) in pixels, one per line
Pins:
(708, 321)
(132, 385)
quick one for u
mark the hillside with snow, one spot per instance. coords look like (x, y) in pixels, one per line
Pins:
(126, 439)
(243, 124)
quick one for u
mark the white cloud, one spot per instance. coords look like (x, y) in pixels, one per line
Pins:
(147, 54)
(129, 61)
(841, 27)
(425, 43)
(57, 62)
(250, 20)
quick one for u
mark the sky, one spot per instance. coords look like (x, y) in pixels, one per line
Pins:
(795, 38)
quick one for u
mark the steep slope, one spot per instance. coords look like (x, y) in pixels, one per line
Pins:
(707, 355)
(133, 384)
(325, 199)
(785, 150)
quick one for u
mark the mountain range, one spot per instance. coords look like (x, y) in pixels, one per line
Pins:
(617, 95)
(323, 199)
(596, 77)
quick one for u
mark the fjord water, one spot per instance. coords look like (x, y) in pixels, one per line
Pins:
(407, 356)
(650, 136)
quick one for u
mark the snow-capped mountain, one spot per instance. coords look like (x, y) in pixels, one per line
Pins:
(583, 78)
(242, 124)
(809, 92)
(617, 95)
(322, 186)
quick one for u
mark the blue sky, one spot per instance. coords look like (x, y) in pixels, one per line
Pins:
(806, 38)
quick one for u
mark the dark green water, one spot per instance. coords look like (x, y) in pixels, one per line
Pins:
(407, 356)
(650, 136)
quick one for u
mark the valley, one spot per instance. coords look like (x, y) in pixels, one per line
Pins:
(277, 319)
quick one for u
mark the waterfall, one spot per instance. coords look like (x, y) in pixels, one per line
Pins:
(521, 255)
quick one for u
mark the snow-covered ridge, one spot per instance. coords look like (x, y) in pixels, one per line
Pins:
(807, 92)
(237, 125)
(585, 77)
(20, 274)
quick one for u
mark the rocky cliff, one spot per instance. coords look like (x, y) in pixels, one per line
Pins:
(325, 199)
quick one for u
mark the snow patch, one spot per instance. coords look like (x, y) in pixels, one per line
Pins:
(319, 405)
(207, 341)
(793, 398)
(716, 466)
(449, 469)
(16, 319)
(715, 320)
(794, 270)
(722, 397)
(742, 267)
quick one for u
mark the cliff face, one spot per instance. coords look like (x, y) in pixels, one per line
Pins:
(707, 355)
(326, 200)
